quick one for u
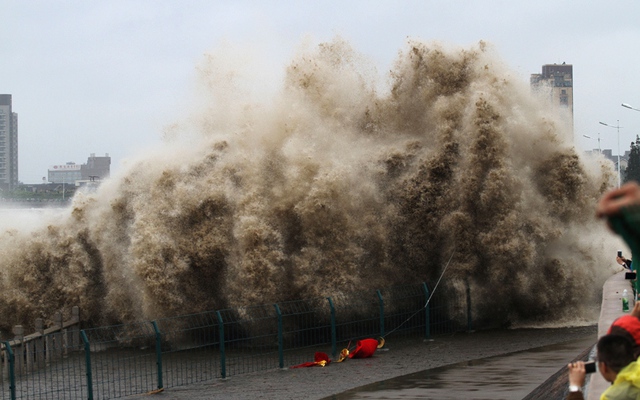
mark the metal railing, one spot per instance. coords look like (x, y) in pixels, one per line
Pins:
(122, 360)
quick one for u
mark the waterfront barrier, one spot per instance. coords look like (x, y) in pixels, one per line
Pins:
(68, 361)
(610, 310)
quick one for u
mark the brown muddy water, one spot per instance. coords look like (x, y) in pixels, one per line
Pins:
(512, 376)
(340, 179)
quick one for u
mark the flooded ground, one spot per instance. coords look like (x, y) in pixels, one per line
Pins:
(513, 376)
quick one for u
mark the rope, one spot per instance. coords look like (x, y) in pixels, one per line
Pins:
(428, 300)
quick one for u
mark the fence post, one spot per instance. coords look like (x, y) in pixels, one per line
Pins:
(59, 336)
(87, 360)
(381, 302)
(73, 338)
(334, 344)
(49, 343)
(12, 371)
(5, 362)
(39, 325)
(469, 318)
(158, 353)
(18, 332)
(427, 317)
(223, 361)
(29, 354)
(280, 339)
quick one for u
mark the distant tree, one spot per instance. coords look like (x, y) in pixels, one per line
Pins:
(632, 173)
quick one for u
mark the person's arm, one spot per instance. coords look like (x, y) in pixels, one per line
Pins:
(621, 208)
(636, 310)
(625, 262)
(616, 199)
(577, 375)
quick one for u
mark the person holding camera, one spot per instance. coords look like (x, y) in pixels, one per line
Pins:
(621, 207)
(625, 262)
(616, 363)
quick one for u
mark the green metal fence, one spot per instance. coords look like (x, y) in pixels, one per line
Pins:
(189, 349)
(122, 360)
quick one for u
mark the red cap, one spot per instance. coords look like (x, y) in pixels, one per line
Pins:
(627, 324)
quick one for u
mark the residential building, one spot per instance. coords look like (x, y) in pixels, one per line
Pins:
(8, 144)
(556, 82)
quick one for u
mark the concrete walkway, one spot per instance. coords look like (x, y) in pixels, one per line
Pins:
(610, 310)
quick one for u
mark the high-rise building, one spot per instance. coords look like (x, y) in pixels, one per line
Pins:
(556, 81)
(8, 144)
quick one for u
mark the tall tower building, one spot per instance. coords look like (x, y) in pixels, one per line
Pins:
(8, 143)
(556, 81)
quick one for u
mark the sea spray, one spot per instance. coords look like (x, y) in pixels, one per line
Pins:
(333, 186)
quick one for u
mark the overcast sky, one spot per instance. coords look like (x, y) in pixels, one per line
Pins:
(107, 76)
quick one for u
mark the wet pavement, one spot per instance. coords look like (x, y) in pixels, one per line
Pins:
(508, 377)
(512, 376)
(499, 364)
(508, 363)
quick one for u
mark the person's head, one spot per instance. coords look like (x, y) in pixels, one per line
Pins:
(614, 353)
(629, 327)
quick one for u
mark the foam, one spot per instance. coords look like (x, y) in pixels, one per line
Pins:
(334, 184)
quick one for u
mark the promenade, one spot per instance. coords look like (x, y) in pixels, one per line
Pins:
(400, 358)
(404, 357)
(610, 309)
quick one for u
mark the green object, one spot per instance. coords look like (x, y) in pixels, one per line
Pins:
(280, 338)
(223, 358)
(625, 301)
(12, 371)
(158, 353)
(87, 358)
(381, 305)
(334, 340)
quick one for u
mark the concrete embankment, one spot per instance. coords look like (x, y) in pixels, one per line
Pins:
(402, 357)
(610, 310)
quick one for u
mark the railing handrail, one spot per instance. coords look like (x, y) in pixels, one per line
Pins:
(282, 329)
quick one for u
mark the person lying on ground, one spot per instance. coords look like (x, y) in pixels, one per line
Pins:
(616, 364)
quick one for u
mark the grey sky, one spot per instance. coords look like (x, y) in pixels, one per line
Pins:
(107, 76)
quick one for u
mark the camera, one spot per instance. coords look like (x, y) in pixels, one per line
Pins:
(590, 367)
